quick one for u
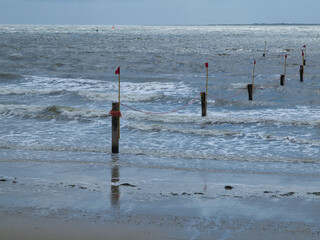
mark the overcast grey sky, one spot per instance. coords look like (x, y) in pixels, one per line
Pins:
(113, 12)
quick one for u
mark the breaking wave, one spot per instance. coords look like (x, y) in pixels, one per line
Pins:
(173, 129)
(231, 118)
(51, 112)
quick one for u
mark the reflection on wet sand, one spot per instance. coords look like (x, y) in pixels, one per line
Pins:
(115, 179)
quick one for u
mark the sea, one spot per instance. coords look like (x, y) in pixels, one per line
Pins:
(57, 85)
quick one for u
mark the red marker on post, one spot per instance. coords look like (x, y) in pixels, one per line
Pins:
(117, 72)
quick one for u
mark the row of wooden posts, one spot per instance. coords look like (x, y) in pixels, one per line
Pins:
(116, 114)
(250, 87)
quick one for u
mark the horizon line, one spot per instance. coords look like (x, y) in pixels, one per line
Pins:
(204, 24)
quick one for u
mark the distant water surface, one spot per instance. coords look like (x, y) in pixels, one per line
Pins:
(57, 84)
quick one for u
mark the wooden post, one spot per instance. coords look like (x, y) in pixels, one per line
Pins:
(301, 73)
(264, 52)
(119, 103)
(115, 128)
(250, 88)
(203, 104)
(204, 95)
(305, 55)
(282, 79)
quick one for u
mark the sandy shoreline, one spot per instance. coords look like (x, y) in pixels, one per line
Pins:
(22, 224)
(81, 201)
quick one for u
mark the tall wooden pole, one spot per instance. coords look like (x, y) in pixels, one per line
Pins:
(204, 95)
(282, 77)
(115, 127)
(207, 80)
(305, 55)
(117, 72)
(254, 67)
(285, 64)
(119, 103)
(251, 86)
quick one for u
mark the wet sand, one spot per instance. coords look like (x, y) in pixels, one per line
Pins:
(18, 227)
(110, 201)
(36, 228)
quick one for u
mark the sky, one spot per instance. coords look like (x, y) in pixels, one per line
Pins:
(158, 12)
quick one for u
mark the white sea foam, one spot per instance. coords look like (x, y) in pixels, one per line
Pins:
(57, 76)
(51, 112)
(150, 87)
(299, 117)
(167, 128)
(164, 154)
(24, 91)
(98, 90)
(113, 97)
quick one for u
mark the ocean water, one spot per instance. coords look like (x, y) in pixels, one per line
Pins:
(57, 84)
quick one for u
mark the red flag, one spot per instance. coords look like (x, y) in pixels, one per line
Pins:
(207, 65)
(304, 46)
(286, 56)
(302, 53)
(117, 72)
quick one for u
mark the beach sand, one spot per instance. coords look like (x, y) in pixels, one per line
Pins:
(21, 226)
(42, 200)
